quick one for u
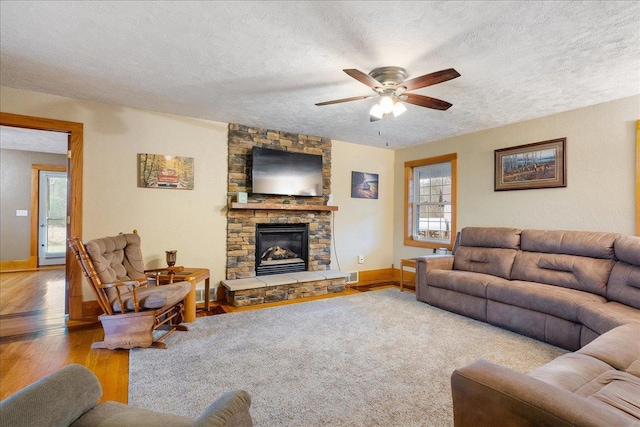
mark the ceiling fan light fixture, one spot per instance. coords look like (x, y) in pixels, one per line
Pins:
(386, 104)
(398, 108)
(376, 111)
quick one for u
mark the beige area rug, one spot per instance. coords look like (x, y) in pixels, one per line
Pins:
(379, 358)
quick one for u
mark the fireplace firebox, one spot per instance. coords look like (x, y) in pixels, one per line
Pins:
(281, 248)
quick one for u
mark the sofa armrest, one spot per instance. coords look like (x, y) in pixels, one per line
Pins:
(426, 263)
(486, 394)
(57, 399)
(230, 410)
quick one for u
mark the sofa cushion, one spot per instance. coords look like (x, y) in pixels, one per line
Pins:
(493, 261)
(627, 249)
(559, 302)
(490, 237)
(602, 318)
(567, 271)
(465, 282)
(592, 378)
(624, 284)
(619, 347)
(605, 370)
(117, 258)
(571, 371)
(107, 256)
(617, 389)
(133, 262)
(154, 297)
(582, 243)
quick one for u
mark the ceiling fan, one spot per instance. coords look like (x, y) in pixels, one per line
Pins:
(390, 85)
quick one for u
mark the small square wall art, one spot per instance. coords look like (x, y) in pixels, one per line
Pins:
(364, 185)
(161, 171)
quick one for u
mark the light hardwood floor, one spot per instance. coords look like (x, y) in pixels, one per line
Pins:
(34, 339)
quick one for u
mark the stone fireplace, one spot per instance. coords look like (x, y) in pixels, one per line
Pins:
(281, 248)
(308, 212)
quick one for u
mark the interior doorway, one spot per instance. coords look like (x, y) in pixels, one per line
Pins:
(52, 217)
(74, 132)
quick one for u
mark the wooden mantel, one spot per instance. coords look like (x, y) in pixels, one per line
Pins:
(282, 206)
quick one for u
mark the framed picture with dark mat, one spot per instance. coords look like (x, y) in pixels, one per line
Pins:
(364, 185)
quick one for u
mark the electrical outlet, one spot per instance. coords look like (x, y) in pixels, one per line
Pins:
(360, 259)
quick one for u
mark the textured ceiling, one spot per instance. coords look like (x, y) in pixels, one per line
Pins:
(266, 64)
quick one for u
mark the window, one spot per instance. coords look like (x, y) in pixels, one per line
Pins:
(430, 202)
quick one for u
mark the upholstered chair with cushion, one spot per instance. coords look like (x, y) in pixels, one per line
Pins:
(133, 301)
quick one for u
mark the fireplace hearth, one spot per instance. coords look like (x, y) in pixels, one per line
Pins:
(281, 248)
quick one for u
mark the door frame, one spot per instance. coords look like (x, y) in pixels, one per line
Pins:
(74, 130)
(34, 260)
(637, 177)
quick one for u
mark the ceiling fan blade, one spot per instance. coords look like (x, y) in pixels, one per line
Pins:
(364, 78)
(430, 79)
(426, 101)
(354, 98)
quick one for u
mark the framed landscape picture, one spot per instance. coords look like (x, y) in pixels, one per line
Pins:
(525, 167)
(364, 185)
(161, 171)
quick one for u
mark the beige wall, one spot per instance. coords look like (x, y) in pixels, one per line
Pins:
(601, 170)
(190, 221)
(15, 193)
(362, 226)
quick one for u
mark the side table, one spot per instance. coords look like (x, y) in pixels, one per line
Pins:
(193, 276)
(406, 262)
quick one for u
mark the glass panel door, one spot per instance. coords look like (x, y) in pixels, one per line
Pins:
(52, 218)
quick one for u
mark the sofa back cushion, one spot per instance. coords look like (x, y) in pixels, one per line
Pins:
(488, 250)
(568, 271)
(582, 243)
(570, 259)
(490, 237)
(624, 281)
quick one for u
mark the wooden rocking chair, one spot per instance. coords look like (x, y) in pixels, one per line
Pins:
(134, 306)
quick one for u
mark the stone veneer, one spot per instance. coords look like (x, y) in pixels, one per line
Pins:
(281, 287)
(257, 296)
(241, 223)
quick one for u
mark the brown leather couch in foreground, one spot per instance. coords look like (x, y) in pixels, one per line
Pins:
(598, 385)
(577, 290)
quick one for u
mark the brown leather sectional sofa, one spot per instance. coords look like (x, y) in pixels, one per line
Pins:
(573, 289)
(562, 287)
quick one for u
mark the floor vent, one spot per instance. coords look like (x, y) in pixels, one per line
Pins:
(352, 277)
(200, 295)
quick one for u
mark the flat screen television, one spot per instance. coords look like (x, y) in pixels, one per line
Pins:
(286, 173)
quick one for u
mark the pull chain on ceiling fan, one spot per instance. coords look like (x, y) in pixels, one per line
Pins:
(390, 85)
